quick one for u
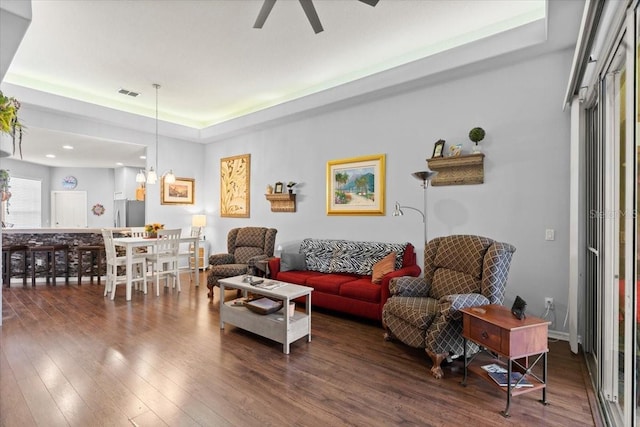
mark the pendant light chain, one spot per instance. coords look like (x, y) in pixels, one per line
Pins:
(157, 86)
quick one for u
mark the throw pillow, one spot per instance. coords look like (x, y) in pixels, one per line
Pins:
(292, 262)
(384, 266)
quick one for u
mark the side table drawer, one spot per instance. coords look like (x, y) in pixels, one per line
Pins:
(486, 334)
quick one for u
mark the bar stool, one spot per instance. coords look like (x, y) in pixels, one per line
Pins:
(49, 252)
(7, 265)
(96, 253)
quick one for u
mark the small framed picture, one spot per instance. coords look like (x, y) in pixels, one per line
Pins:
(180, 192)
(455, 150)
(438, 149)
(278, 188)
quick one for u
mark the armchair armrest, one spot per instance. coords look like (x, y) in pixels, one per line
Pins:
(387, 279)
(407, 286)
(451, 304)
(220, 259)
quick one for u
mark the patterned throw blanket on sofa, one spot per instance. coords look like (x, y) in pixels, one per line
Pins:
(346, 256)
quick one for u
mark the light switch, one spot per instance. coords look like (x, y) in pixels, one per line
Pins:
(549, 234)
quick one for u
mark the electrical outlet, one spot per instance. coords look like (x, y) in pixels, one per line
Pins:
(548, 303)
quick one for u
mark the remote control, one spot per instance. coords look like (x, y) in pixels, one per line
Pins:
(256, 282)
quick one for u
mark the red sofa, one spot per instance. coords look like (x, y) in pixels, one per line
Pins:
(340, 272)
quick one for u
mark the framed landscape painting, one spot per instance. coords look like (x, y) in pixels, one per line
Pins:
(180, 192)
(355, 186)
(234, 186)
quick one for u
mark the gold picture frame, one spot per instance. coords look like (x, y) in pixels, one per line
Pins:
(356, 186)
(181, 192)
(234, 186)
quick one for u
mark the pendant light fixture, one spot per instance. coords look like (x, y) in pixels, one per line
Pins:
(152, 176)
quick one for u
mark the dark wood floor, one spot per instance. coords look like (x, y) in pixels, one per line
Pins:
(69, 356)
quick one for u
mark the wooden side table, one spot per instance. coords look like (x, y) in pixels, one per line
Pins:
(494, 328)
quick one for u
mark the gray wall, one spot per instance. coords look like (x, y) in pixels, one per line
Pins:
(526, 170)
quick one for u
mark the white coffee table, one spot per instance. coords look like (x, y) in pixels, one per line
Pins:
(276, 326)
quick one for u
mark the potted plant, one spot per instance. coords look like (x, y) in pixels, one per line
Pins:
(152, 229)
(476, 135)
(290, 186)
(9, 122)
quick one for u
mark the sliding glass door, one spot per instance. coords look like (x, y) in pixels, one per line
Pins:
(612, 186)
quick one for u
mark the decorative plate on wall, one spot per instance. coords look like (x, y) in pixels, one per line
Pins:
(69, 182)
(97, 209)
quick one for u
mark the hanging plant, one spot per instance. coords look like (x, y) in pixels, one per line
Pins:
(9, 122)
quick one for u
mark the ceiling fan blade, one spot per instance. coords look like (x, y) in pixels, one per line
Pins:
(264, 12)
(312, 16)
(371, 3)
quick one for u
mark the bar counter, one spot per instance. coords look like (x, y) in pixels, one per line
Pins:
(73, 237)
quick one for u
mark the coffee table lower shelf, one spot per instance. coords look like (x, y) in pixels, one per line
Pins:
(270, 326)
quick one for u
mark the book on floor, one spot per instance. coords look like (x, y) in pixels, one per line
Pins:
(516, 379)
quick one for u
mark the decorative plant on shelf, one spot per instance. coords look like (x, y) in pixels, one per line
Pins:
(152, 229)
(9, 122)
(476, 135)
(5, 194)
(290, 186)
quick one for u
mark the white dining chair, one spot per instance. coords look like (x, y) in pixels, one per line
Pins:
(139, 251)
(114, 261)
(165, 259)
(190, 253)
(138, 232)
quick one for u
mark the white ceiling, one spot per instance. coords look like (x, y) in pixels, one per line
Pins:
(214, 67)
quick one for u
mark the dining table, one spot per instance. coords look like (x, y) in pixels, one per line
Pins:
(130, 243)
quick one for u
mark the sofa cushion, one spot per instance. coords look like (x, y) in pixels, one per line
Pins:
(329, 283)
(384, 266)
(361, 289)
(291, 261)
(298, 277)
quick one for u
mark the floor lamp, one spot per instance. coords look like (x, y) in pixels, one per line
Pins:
(425, 177)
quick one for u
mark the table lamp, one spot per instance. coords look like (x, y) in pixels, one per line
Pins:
(199, 221)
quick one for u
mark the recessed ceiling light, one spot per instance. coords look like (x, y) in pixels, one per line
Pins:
(119, 163)
(68, 147)
(143, 157)
(50, 156)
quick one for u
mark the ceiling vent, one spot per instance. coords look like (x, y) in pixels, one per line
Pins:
(128, 92)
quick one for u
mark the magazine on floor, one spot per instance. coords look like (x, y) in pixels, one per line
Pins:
(516, 379)
(494, 367)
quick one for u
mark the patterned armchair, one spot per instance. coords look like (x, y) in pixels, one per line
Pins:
(459, 271)
(245, 246)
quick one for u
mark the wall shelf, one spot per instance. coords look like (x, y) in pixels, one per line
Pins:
(282, 202)
(460, 170)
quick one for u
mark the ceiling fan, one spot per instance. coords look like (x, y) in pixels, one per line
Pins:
(309, 10)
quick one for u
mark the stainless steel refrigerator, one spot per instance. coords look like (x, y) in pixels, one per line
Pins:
(128, 213)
